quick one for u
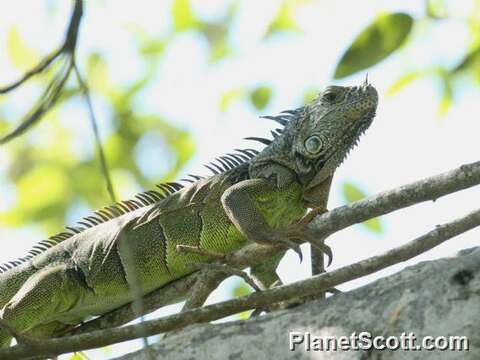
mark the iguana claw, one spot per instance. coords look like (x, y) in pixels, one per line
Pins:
(299, 232)
(292, 246)
(327, 250)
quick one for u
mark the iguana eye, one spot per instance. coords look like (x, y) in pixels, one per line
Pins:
(332, 95)
(313, 144)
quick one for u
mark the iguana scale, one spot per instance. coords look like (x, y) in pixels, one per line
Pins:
(251, 197)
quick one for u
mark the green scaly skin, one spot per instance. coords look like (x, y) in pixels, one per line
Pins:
(258, 199)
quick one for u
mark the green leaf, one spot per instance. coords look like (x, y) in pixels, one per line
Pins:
(403, 81)
(446, 98)
(353, 193)
(242, 289)
(79, 356)
(153, 47)
(244, 315)
(470, 61)
(219, 50)
(260, 97)
(183, 16)
(228, 97)
(97, 73)
(43, 194)
(380, 39)
(21, 56)
(436, 9)
(374, 225)
(216, 32)
(283, 21)
(310, 95)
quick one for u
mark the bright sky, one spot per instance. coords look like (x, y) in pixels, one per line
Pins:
(407, 141)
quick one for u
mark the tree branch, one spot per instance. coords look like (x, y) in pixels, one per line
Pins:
(53, 90)
(430, 188)
(67, 46)
(208, 313)
(93, 122)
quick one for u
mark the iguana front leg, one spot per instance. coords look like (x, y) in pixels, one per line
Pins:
(239, 204)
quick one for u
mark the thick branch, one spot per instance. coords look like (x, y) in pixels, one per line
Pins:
(259, 299)
(337, 219)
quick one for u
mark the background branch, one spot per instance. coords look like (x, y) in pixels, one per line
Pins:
(53, 90)
(98, 140)
(67, 46)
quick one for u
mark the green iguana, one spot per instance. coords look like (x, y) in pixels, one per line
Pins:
(251, 197)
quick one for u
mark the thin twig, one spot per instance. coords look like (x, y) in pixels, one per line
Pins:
(43, 65)
(48, 100)
(98, 140)
(67, 46)
(53, 90)
(259, 299)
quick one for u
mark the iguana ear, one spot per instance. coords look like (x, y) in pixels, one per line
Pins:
(317, 196)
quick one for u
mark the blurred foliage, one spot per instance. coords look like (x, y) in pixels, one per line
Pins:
(380, 39)
(436, 9)
(403, 81)
(183, 16)
(352, 193)
(79, 356)
(310, 94)
(229, 96)
(284, 20)
(260, 97)
(215, 32)
(242, 289)
(21, 56)
(52, 176)
(392, 31)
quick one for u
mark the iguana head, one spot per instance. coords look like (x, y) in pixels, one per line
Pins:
(330, 127)
(317, 137)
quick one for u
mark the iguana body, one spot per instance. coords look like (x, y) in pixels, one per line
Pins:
(253, 198)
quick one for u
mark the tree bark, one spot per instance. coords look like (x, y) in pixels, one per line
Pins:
(435, 298)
